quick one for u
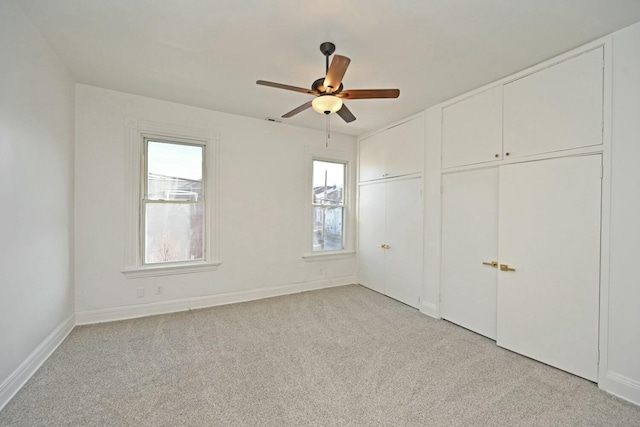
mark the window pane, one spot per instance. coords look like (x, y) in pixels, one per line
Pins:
(328, 183)
(174, 171)
(327, 229)
(174, 232)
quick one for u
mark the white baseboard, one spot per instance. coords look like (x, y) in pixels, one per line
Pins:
(32, 363)
(622, 387)
(162, 307)
(430, 309)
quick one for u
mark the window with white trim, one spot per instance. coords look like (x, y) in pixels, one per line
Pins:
(329, 204)
(171, 211)
(328, 201)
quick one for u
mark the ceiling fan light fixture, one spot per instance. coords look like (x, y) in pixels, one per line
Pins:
(326, 104)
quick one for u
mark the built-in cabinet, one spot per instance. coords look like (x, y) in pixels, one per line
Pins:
(390, 211)
(472, 129)
(520, 235)
(396, 151)
(557, 108)
(390, 238)
(520, 257)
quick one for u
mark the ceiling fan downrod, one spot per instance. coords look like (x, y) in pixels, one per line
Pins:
(327, 49)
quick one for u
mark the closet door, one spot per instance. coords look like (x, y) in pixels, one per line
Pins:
(549, 232)
(403, 269)
(371, 223)
(470, 239)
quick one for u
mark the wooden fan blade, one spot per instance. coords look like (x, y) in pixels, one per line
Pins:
(287, 87)
(336, 72)
(346, 114)
(369, 93)
(297, 110)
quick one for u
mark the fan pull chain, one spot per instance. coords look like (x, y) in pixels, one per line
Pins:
(328, 131)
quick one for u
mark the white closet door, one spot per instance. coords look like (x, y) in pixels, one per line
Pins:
(550, 234)
(469, 238)
(404, 206)
(371, 223)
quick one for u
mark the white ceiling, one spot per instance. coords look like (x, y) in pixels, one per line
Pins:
(209, 53)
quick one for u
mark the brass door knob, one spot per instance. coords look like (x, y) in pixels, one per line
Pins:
(505, 267)
(493, 264)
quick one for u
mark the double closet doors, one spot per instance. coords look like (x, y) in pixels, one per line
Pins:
(521, 258)
(390, 238)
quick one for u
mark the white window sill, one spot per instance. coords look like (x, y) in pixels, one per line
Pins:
(328, 256)
(168, 270)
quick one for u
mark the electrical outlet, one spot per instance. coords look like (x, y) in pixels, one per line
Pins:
(140, 293)
(159, 289)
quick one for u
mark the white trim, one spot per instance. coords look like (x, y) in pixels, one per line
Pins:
(603, 41)
(142, 310)
(169, 270)
(349, 221)
(605, 221)
(32, 363)
(388, 126)
(328, 255)
(621, 386)
(430, 310)
(136, 131)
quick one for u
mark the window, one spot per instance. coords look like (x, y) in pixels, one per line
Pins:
(173, 205)
(171, 200)
(328, 205)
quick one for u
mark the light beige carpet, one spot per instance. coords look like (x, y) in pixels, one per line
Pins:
(337, 357)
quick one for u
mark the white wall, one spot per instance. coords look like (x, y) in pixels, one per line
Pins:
(262, 212)
(36, 176)
(623, 334)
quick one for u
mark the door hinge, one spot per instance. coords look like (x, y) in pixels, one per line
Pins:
(441, 189)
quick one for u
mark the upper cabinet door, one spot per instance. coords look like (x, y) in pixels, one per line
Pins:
(405, 154)
(372, 152)
(393, 152)
(557, 108)
(472, 129)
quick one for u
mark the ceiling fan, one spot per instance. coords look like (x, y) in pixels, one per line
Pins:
(329, 91)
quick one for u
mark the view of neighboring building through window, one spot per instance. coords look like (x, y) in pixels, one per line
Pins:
(328, 205)
(173, 203)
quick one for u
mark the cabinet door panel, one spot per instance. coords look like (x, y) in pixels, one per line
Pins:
(372, 158)
(403, 224)
(405, 149)
(557, 108)
(472, 129)
(371, 223)
(549, 231)
(469, 238)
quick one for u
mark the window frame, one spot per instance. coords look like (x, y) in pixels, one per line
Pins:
(139, 133)
(145, 201)
(348, 205)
